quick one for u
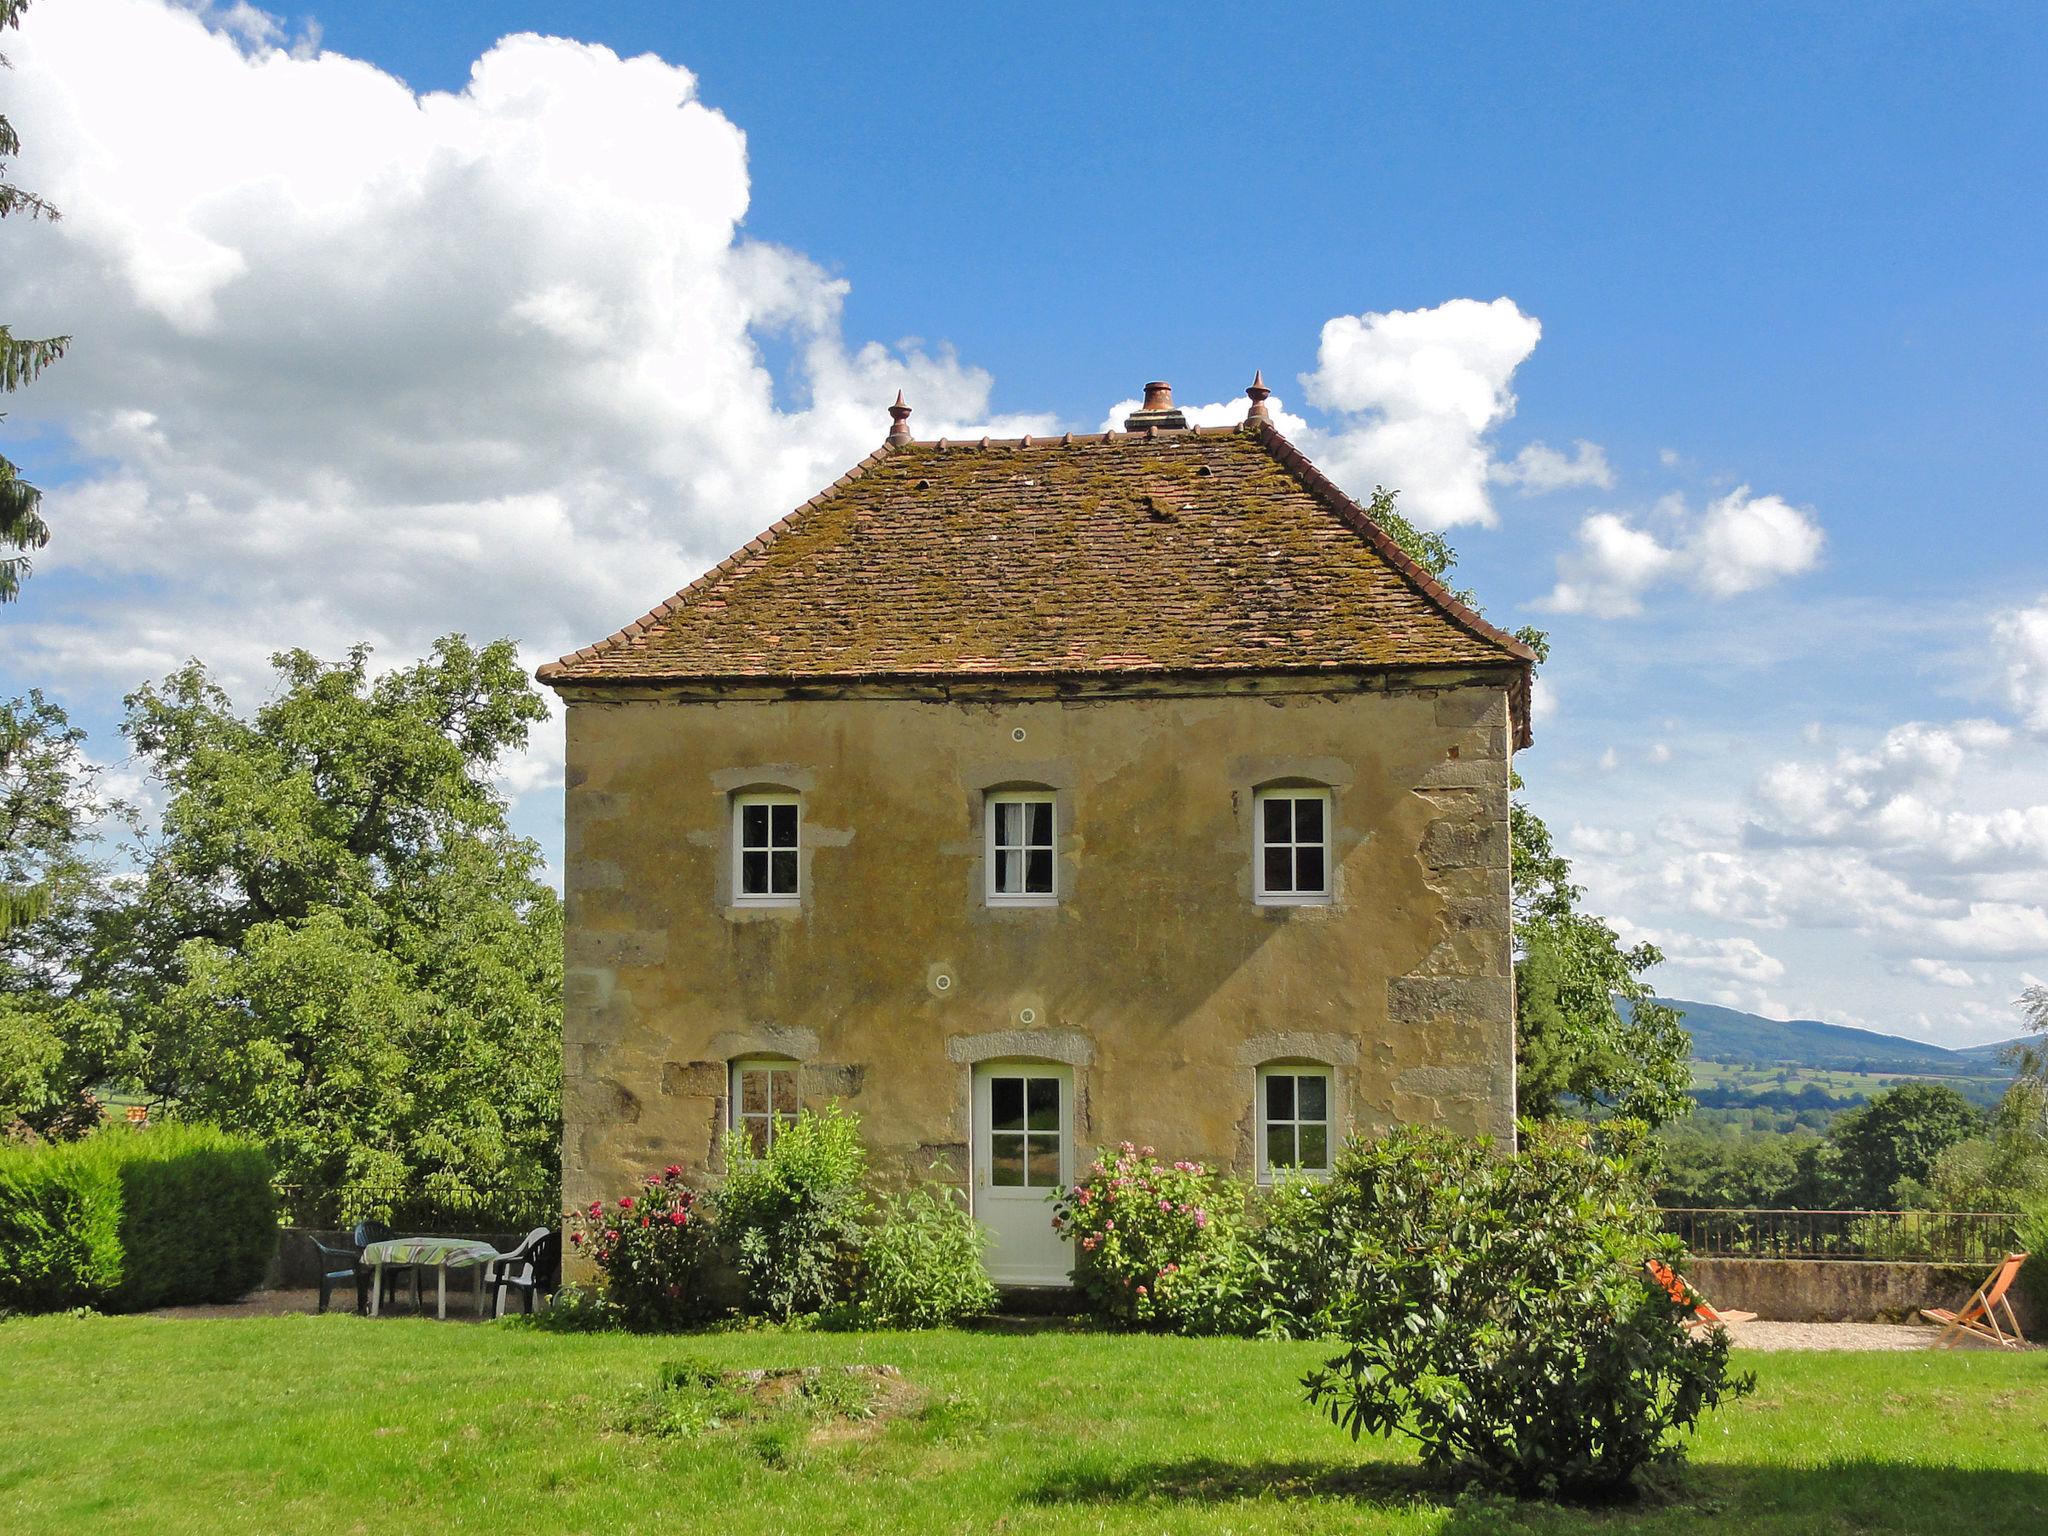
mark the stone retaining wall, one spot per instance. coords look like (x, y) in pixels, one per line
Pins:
(1848, 1291)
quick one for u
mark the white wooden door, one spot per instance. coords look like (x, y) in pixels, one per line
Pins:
(1023, 1154)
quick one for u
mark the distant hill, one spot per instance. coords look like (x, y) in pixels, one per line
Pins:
(1748, 1039)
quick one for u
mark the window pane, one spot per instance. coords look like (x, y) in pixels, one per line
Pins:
(785, 825)
(1009, 823)
(1279, 1146)
(1308, 869)
(1006, 1103)
(1279, 871)
(1276, 819)
(1045, 1162)
(753, 1093)
(1042, 1095)
(1314, 1098)
(1009, 873)
(785, 1094)
(754, 874)
(1038, 872)
(1006, 1161)
(754, 826)
(755, 1131)
(1279, 1096)
(785, 872)
(1315, 1146)
(1039, 821)
(1308, 819)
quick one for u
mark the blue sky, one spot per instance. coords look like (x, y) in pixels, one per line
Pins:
(1788, 266)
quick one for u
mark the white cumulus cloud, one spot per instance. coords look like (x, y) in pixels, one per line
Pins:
(2021, 637)
(1540, 468)
(1738, 543)
(1417, 391)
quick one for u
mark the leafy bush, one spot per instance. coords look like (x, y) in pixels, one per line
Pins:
(1498, 1312)
(791, 1220)
(1290, 1264)
(1155, 1244)
(921, 1264)
(654, 1250)
(128, 1220)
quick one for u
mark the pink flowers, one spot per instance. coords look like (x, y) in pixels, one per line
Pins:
(625, 1202)
(674, 1170)
(1166, 1205)
(678, 1217)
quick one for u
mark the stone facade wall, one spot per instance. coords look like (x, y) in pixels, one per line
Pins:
(1157, 977)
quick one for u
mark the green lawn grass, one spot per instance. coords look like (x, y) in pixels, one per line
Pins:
(338, 1423)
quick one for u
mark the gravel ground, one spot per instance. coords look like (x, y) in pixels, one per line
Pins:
(1771, 1336)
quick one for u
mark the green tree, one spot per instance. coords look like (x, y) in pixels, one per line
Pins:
(1589, 1036)
(21, 359)
(50, 806)
(2029, 1057)
(1897, 1137)
(337, 944)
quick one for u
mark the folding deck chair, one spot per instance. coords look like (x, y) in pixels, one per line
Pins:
(1699, 1312)
(1979, 1316)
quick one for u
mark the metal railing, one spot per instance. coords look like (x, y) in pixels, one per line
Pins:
(1928, 1237)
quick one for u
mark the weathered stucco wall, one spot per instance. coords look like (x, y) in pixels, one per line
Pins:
(1157, 977)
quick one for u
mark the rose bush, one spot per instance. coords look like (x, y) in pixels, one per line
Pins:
(653, 1248)
(1155, 1243)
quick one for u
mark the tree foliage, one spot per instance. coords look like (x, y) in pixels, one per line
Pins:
(1895, 1140)
(21, 359)
(1590, 1039)
(335, 942)
(50, 806)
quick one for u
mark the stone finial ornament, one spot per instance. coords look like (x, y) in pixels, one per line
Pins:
(1258, 392)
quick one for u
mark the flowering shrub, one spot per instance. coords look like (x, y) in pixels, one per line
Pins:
(653, 1249)
(1154, 1243)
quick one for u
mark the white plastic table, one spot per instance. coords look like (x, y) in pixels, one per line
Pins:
(438, 1253)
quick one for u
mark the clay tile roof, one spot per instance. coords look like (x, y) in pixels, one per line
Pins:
(1213, 550)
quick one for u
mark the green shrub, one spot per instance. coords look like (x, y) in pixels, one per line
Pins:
(654, 1250)
(1290, 1264)
(128, 1220)
(1498, 1312)
(920, 1265)
(791, 1220)
(1155, 1244)
(60, 1228)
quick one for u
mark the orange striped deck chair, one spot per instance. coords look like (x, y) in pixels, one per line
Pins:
(1979, 1316)
(1699, 1312)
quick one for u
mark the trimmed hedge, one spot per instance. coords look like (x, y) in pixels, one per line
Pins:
(127, 1220)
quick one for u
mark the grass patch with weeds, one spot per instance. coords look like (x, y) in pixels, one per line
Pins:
(338, 1423)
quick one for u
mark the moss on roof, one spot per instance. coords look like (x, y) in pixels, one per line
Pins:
(1218, 549)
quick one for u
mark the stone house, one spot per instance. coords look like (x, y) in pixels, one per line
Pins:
(1028, 796)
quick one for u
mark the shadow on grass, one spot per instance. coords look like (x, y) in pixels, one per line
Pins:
(1868, 1494)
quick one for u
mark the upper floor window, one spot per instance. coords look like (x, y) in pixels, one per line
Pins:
(1293, 853)
(1020, 848)
(764, 1101)
(1294, 1120)
(765, 843)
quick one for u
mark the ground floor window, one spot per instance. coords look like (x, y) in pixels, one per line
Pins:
(764, 1099)
(1294, 1120)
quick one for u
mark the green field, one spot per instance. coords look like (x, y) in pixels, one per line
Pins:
(345, 1424)
(1766, 1084)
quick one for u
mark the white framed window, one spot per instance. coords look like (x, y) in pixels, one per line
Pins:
(1296, 1132)
(766, 841)
(764, 1100)
(1292, 846)
(1021, 866)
